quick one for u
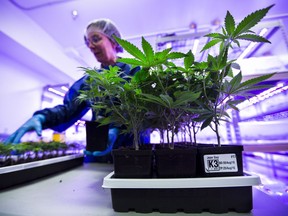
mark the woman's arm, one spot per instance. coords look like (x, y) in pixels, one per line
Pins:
(61, 117)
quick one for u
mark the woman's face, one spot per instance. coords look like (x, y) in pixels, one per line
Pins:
(102, 48)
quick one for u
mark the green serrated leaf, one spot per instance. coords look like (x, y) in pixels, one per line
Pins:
(188, 60)
(185, 97)
(170, 64)
(210, 44)
(237, 42)
(212, 62)
(253, 38)
(162, 55)
(141, 75)
(256, 80)
(223, 57)
(233, 106)
(105, 121)
(229, 23)
(250, 21)
(154, 99)
(148, 50)
(131, 61)
(235, 82)
(244, 91)
(131, 49)
(216, 35)
(201, 65)
(223, 31)
(167, 100)
(175, 55)
(206, 123)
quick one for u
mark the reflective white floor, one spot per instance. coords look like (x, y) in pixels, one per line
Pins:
(273, 170)
(78, 192)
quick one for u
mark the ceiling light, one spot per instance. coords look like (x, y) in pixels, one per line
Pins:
(56, 92)
(74, 14)
(216, 22)
(64, 88)
(193, 25)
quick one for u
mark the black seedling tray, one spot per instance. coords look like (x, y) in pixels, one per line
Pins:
(189, 195)
(21, 173)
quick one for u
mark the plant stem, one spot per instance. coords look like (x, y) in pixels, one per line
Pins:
(194, 133)
(135, 138)
(217, 134)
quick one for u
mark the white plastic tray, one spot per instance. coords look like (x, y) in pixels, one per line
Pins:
(29, 165)
(208, 182)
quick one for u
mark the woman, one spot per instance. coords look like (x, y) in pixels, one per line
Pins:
(99, 39)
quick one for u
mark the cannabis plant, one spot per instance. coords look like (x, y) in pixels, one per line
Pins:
(115, 97)
(219, 91)
(5, 152)
(228, 90)
(164, 91)
(164, 96)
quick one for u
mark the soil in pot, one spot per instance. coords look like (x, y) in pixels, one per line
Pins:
(215, 161)
(131, 163)
(179, 162)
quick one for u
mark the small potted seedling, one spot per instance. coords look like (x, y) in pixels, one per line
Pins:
(27, 161)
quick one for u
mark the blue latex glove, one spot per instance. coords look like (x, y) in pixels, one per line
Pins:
(34, 123)
(112, 136)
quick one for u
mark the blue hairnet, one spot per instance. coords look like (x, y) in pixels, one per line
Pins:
(106, 27)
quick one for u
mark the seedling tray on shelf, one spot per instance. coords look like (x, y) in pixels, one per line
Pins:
(189, 195)
(21, 173)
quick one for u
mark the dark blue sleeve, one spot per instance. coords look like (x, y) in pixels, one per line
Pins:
(61, 117)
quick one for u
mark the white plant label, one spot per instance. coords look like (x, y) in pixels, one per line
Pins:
(220, 163)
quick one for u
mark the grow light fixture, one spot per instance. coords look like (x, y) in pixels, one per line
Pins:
(193, 25)
(195, 46)
(279, 88)
(59, 90)
(168, 45)
(56, 92)
(64, 88)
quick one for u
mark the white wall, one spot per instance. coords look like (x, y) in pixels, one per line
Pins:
(20, 94)
(20, 28)
(29, 59)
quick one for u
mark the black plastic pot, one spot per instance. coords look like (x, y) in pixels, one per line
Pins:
(96, 140)
(215, 161)
(129, 163)
(175, 163)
